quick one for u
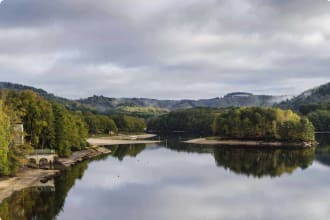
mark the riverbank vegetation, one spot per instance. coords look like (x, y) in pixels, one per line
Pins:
(47, 124)
(50, 125)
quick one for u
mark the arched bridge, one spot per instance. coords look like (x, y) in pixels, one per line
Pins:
(42, 158)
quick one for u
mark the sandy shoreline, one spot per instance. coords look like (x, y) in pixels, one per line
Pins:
(205, 141)
(28, 177)
(124, 140)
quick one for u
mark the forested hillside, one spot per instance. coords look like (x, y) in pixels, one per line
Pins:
(102, 103)
(315, 104)
(144, 107)
(312, 99)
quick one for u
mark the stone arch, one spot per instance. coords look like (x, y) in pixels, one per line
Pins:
(33, 163)
(44, 163)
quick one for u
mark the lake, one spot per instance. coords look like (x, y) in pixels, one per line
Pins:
(180, 181)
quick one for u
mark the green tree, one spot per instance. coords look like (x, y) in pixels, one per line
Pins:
(5, 140)
(100, 124)
(62, 130)
(70, 130)
(320, 119)
(263, 124)
(36, 115)
(129, 123)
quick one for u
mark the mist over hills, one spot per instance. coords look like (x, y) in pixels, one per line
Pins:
(238, 99)
(317, 96)
(107, 104)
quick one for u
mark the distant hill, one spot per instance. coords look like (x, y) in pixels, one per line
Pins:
(233, 99)
(43, 93)
(316, 96)
(105, 104)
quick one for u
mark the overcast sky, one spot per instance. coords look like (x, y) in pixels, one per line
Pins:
(165, 48)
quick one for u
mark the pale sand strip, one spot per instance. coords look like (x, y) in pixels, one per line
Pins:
(108, 141)
(205, 141)
(27, 177)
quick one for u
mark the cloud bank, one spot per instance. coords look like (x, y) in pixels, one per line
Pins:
(165, 48)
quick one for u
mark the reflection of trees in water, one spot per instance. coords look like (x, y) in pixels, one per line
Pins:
(259, 163)
(177, 145)
(45, 203)
(33, 203)
(255, 162)
(41, 203)
(323, 149)
(121, 151)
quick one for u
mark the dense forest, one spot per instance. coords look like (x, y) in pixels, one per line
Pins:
(46, 124)
(247, 123)
(313, 103)
(190, 121)
(263, 124)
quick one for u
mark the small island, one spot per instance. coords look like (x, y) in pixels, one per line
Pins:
(242, 126)
(255, 126)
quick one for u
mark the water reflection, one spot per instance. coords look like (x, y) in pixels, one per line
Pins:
(41, 203)
(256, 162)
(323, 149)
(123, 151)
(259, 163)
(34, 203)
(182, 181)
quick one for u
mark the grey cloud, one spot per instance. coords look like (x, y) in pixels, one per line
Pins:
(165, 48)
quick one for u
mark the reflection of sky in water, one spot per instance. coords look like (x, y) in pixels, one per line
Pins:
(164, 184)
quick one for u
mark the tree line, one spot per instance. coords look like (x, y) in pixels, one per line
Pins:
(191, 121)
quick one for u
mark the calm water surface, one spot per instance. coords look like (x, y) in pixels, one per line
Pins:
(186, 182)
